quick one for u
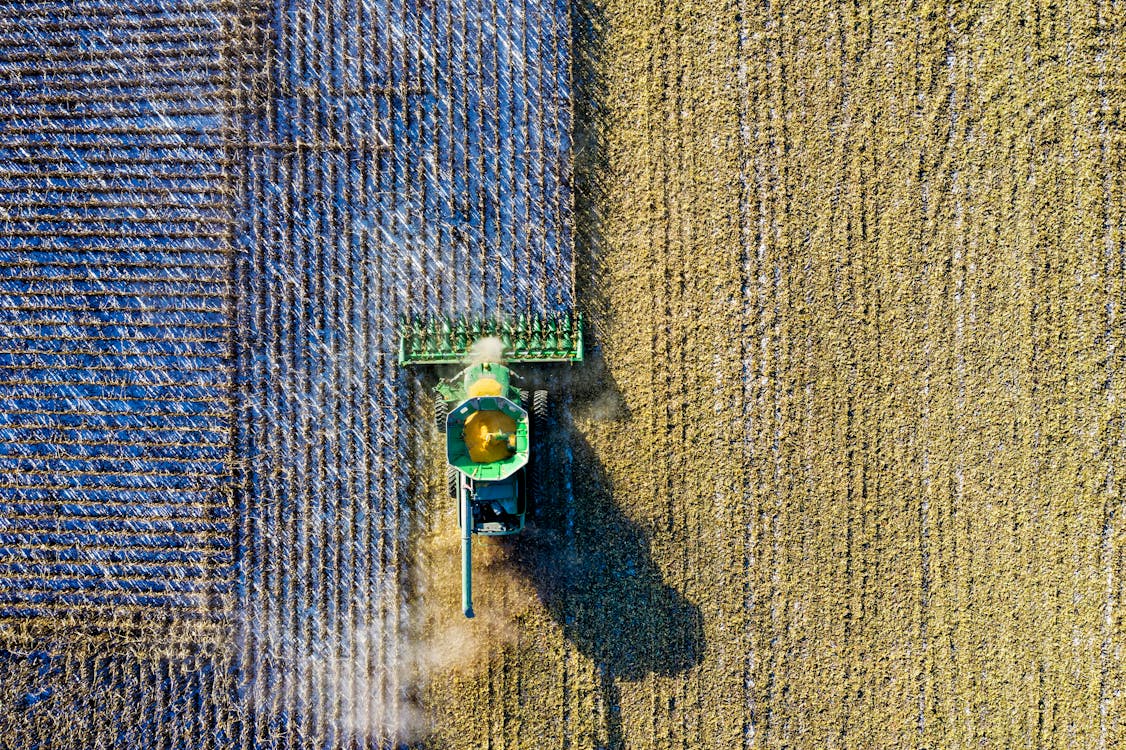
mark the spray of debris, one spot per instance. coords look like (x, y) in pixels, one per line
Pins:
(488, 349)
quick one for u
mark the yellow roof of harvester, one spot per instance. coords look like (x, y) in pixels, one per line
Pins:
(490, 436)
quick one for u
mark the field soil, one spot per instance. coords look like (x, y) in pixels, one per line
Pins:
(844, 466)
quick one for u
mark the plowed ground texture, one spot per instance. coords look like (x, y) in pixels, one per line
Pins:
(845, 467)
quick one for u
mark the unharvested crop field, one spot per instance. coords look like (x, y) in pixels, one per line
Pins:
(842, 470)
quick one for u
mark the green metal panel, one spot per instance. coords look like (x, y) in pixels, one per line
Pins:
(457, 453)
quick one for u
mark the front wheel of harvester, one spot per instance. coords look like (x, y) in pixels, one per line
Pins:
(441, 409)
(451, 481)
(539, 409)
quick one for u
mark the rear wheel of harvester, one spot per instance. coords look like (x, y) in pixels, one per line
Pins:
(441, 409)
(451, 480)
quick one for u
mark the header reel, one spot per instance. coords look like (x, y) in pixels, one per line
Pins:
(437, 339)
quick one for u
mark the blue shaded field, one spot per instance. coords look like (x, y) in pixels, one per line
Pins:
(115, 384)
(399, 165)
(211, 219)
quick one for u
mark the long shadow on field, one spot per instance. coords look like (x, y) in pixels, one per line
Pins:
(600, 582)
(592, 568)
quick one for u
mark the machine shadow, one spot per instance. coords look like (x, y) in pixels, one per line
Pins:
(592, 569)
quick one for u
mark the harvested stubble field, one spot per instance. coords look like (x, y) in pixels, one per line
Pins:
(847, 469)
(842, 468)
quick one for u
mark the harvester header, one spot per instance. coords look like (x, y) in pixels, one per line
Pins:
(435, 339)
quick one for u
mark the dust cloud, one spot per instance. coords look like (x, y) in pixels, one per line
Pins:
(449, 643)
(488, 349)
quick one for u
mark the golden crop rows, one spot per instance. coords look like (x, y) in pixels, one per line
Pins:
(851, 472)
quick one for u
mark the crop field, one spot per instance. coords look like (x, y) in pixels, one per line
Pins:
(848, 473)
(843, 468)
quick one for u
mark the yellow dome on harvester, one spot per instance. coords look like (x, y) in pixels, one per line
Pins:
(489, 435)
(485, 387)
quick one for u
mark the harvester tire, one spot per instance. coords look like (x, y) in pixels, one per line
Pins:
(525, 402)
(539, 408)
(441, 409)
(451, 481)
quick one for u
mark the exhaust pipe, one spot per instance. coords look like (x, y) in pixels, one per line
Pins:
(466, 555)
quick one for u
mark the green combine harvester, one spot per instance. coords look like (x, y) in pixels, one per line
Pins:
(486, 419)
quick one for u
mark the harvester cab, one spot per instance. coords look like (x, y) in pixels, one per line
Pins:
(486, 420)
